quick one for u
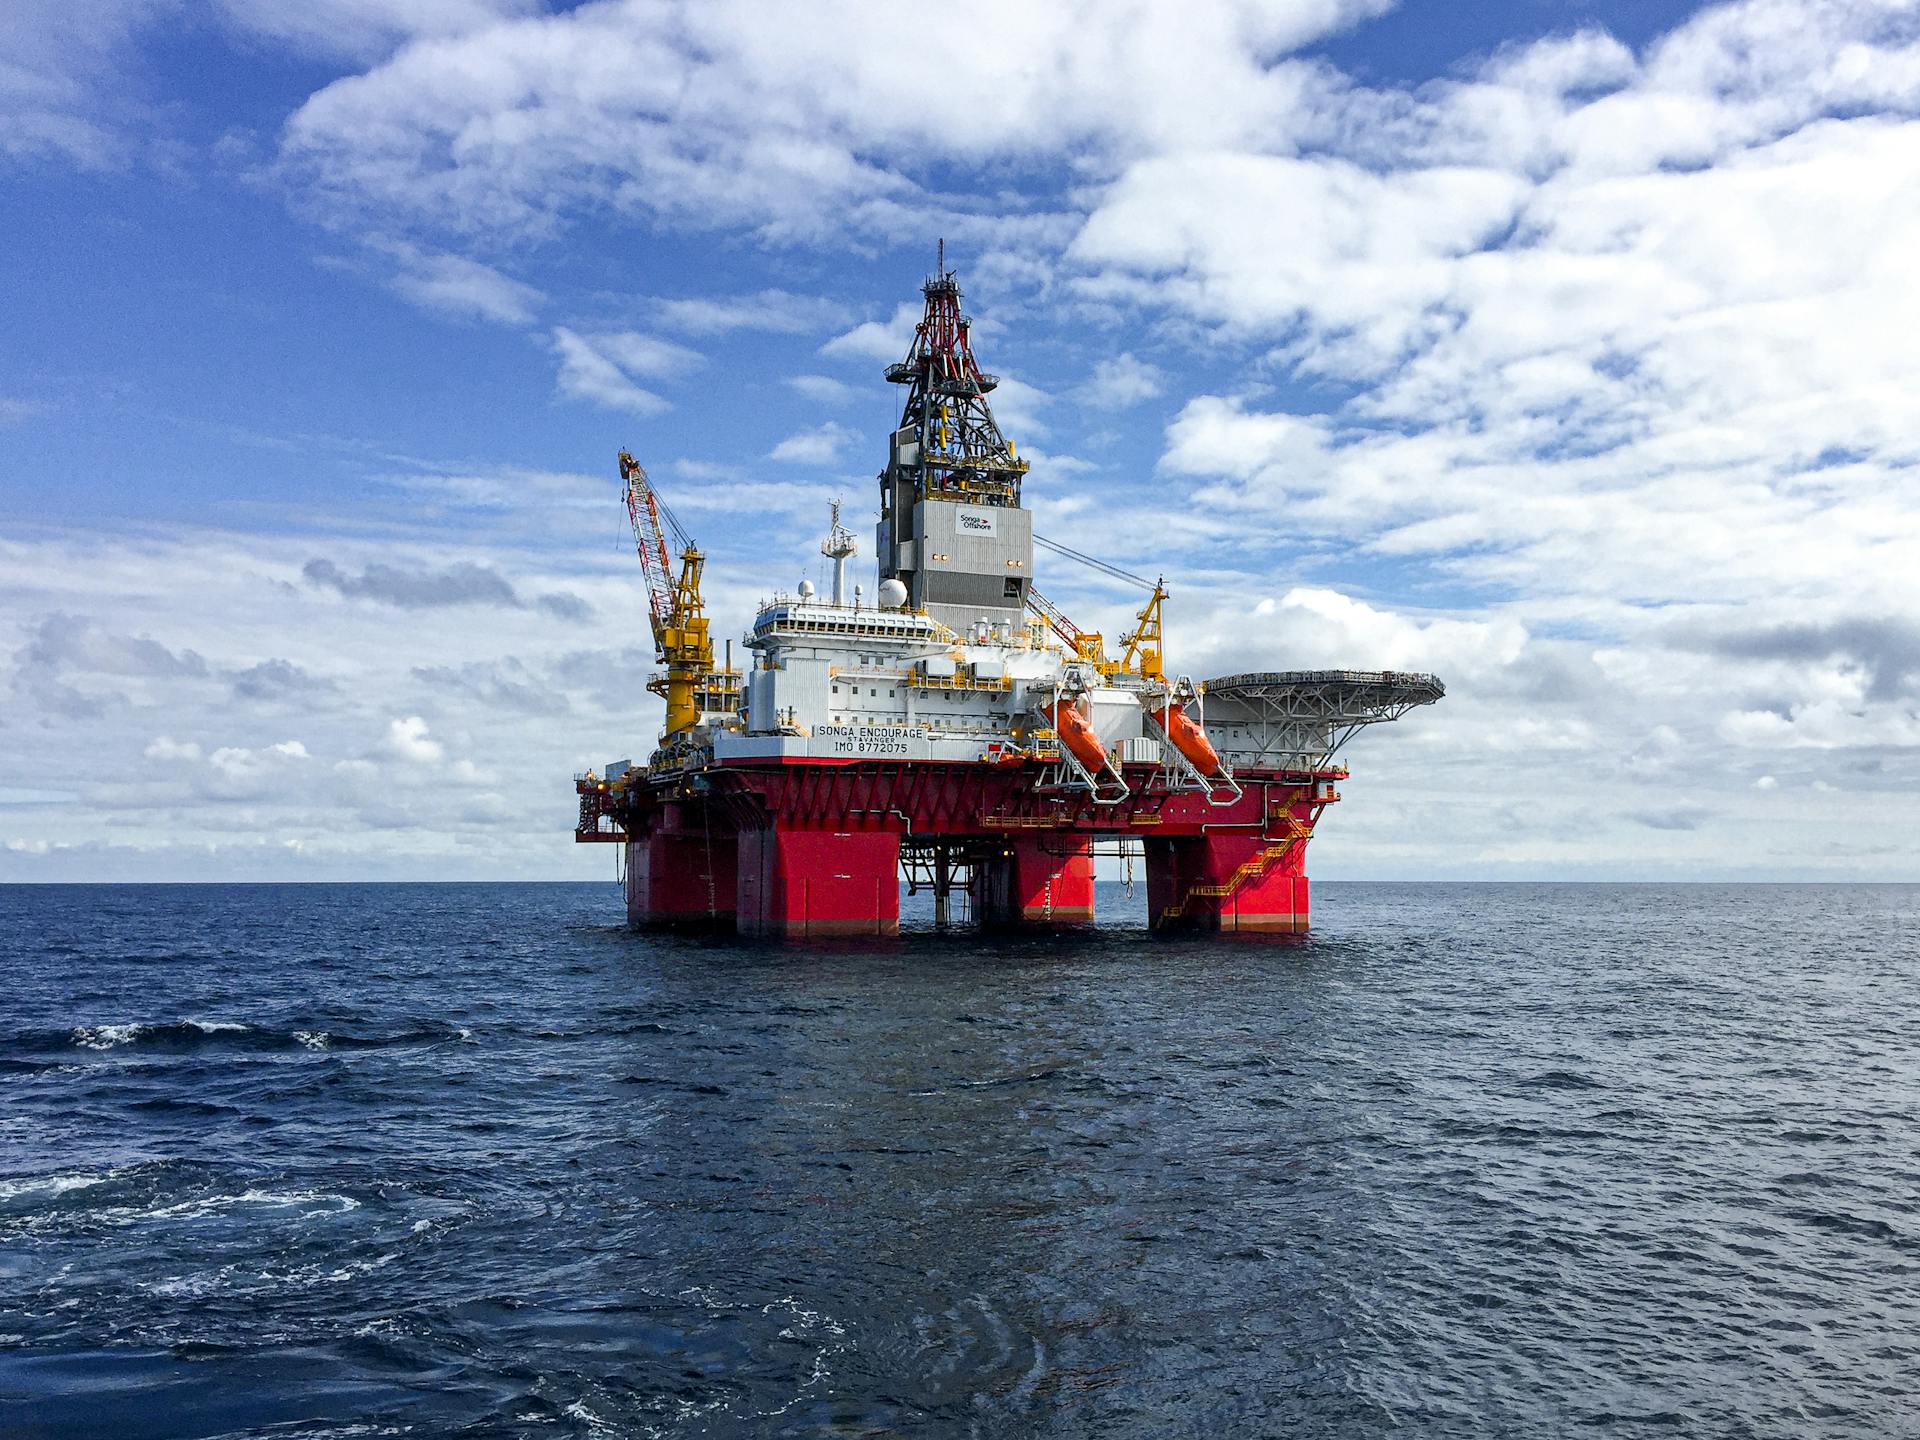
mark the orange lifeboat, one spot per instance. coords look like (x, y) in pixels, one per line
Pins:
(1077, 734)
(1188, 738)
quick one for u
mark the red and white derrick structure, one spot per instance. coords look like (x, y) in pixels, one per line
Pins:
(940, 731)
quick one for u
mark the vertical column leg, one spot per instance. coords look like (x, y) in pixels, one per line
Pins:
(681, 872)
(1037, 880)
(796, 884)
(1228, 882)
(942, 884)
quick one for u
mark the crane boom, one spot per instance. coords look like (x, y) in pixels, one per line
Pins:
(675, 608)
(1087, 645)
(1142, 655)
(643, 509)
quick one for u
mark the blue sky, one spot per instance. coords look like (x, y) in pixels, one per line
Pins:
(1564, 350)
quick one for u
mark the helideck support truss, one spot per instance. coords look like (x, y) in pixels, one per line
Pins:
(1298, 720)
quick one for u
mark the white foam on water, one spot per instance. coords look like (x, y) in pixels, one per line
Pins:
(313, 1039)
(48, 1185)
(808, 1326)
(315, 1202)
(595, 1425)
(359, 1268)
(105, 1037)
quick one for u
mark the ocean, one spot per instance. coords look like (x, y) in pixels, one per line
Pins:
(475, 1160)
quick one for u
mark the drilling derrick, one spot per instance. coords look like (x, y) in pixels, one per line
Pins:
(936, 731)
(951, 528)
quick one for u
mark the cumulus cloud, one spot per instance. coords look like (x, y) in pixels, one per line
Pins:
(455, 285)
(1580, 376)
(775, 311)
(603, 368)
(276, 680)
(506, 684)
(794, 120)
(423, 589)
(884, 341)
(73, 668)
(1122, 380)
(463, 584)
(1885, 647)
(60, 91)
(1677, 817)
(363, 29)
(820, 445)
(1319, 628)
(823, 389)
(407, 739)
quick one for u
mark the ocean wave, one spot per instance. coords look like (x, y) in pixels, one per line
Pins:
(310, 1203)
(47, 1186)
(193, 1034)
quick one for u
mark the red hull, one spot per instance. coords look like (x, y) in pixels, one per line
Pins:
(799, 849)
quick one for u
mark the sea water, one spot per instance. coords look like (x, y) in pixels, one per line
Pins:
(1470, 1160)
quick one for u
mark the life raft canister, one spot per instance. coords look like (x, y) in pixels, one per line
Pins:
(1188, 738)
(1078, 736)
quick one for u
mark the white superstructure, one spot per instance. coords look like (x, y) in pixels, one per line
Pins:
(832, 680)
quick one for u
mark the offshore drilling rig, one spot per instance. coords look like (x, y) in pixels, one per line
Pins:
(959, 728)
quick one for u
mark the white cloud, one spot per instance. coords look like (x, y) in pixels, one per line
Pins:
(364, 29)
(823, 389)
(601, 368)
(820, 445)
(15, 411)
(458, 286)
(774, 311)
(881, 340)
(407, 739)
(796, 120)
(1122, 380)
(64, 93)
(1017, 406)
(1321, 628)
(1583, 378)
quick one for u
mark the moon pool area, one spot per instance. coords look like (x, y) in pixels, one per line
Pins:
(1470, 1160)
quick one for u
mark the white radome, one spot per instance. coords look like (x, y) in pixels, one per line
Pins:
(893, 594)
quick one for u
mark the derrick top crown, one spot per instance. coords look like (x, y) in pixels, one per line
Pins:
(961, 453)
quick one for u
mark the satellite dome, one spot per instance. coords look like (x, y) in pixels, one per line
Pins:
(892, 594)
(806, 589)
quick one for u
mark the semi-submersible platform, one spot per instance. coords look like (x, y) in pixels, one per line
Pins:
(958, 729)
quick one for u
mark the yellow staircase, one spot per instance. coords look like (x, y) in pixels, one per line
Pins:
(1253, 868)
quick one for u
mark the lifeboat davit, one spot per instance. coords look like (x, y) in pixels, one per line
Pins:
(1188, 738)
(1077, 734)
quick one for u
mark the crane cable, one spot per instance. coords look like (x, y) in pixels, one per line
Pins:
(1114, 570)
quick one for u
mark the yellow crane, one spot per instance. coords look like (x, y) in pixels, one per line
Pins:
(1141, 646)
(679, 616)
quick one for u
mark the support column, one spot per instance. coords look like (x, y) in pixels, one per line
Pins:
(681, 872)
(1227, 882)
(942, 884)
(796, 884)
(1037, 880)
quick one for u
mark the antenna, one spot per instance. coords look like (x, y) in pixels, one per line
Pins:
(838, 545)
